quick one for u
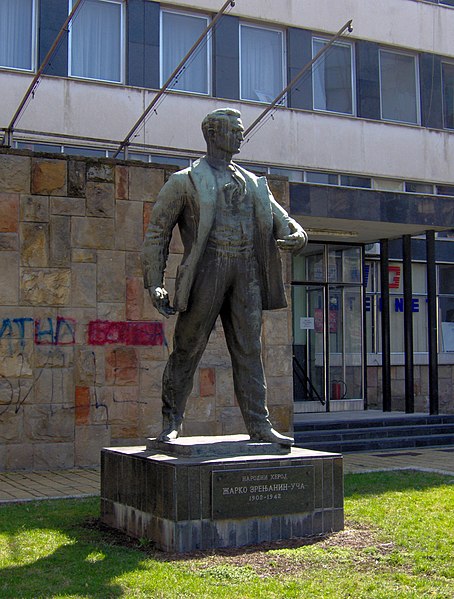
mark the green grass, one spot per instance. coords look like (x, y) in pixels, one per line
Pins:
(398, 543)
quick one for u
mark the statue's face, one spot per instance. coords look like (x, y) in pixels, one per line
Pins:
(229, 135)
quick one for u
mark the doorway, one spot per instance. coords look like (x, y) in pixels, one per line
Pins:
(328, 357)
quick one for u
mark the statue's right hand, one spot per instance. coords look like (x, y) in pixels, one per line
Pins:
(160, 300)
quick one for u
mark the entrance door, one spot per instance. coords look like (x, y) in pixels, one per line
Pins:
(328, 335)
(308, 362)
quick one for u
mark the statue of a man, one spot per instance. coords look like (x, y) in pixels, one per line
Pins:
(231, 228)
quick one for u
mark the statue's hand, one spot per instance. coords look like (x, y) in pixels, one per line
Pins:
(294, 242)
(160, 300)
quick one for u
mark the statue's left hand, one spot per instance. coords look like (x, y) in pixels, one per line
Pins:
(295, 242)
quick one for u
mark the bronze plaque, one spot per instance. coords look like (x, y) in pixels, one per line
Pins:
(262, 492)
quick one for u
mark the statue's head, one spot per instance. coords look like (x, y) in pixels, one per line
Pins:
(223, 130)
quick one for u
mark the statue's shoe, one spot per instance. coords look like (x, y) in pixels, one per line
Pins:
(169, 434)
(269, 435)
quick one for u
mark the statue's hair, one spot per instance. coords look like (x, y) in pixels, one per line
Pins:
(213, 118)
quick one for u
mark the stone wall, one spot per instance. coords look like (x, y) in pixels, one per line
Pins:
(82, 350)
(421, 388)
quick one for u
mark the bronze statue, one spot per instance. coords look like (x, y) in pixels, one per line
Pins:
(231, 228)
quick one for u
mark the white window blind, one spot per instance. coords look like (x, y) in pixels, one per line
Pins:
(178, 33)
(262, 61)
(16, 34)
(96, 41)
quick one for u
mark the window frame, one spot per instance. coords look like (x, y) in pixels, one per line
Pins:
(417, 85)
(445, 295)
(33, 45)
(443, 100)
(373, 300)
(209, 51)
(351, 45)
(121, 81)
(282, 33)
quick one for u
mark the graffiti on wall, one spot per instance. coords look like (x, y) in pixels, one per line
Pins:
(45, 331)
(104, 332)
(16, 387)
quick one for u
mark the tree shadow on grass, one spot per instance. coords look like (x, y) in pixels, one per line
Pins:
(84, 564)
(70, 570)
(377, 483)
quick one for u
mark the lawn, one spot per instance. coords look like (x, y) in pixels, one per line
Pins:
(398, 542)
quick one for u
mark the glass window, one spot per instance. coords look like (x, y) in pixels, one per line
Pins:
(445, 190)
(446, 235)
(321, 178)
(422, 188)
(398, 83)
(344, 264)
(171, 160)
(354, 181)
(258, 169)
(374, 307)
(96, 41)
(80, 151)
(179, 32)
(447, 70)
(293, 176)
(332, 77)
(17, 33)
(446, 306)
(261, 64)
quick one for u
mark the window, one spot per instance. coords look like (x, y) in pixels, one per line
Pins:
(96, 41)
(446, 306)
(355, 181)
(421, 188)
(445, 190)
(447, 73)
(322, 178)
(332, 76)
(17, 34)
(179, 32)
(261, 63)
(374, 307)
(398, 84)
(293, 175)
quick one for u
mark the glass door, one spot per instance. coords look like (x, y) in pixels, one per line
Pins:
(328, 330)
(309, 349)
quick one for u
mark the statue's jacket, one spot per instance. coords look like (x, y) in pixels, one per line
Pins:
(189, 200)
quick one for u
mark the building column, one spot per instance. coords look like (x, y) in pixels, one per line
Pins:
(385, 325)
(432, 322)
(408, 327)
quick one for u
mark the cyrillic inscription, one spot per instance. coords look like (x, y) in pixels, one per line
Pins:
(262, 492)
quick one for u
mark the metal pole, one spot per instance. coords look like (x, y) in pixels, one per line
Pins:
(163, 89)
(432, 322)
(408, 327)
(306, 67)
(364, 317)
(9, 131)
(385, 325)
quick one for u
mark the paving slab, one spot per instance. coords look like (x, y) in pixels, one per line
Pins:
(78, 483)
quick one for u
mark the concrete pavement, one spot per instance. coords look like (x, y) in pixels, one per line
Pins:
(77, 483)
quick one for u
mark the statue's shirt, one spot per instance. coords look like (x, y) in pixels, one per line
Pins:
(232, 229)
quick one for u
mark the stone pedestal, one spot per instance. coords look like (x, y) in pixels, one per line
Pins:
(214, 492)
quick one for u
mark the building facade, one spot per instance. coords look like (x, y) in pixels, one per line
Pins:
(363, 142)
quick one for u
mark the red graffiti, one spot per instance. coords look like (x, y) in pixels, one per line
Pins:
(106, 332)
